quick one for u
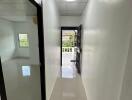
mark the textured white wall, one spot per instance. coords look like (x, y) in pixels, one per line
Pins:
(7, 44)
(106, 40)
(52, 44)
(70, 20)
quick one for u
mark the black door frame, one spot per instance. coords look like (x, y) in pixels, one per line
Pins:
(41, 47)
(65, 28)
(2, 84)
(79, 29)
(79, 54)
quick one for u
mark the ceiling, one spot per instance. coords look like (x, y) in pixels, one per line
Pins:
(74, 8)
(16, 10)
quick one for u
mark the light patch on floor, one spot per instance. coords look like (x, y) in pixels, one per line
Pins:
(68, 67)
(69, 89)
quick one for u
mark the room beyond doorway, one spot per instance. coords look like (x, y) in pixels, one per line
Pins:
(69, 49)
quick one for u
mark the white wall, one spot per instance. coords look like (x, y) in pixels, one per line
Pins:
(106, 40)
(52, 44)
(126, 93)
(70, 20)
(7, 44)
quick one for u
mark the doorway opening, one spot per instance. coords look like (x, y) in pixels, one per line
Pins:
(70, 52)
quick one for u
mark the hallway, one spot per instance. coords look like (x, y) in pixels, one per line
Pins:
(106, 39)
(69, 89)
(65, 50)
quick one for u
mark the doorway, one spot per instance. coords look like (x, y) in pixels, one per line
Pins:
(70, 51)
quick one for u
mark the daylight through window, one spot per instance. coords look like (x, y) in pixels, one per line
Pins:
(23, 40)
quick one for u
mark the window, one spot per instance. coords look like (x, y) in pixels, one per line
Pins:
(23, 40)
(26, 71)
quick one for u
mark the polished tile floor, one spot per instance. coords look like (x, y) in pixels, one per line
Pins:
(68, 67)
(69, 85)
(69, 89)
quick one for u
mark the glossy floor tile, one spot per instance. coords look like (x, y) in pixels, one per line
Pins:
(22, 80)
(68, 67)
(68, 72)
(69, 89)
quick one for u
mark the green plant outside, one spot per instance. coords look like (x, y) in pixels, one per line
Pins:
(70, 42)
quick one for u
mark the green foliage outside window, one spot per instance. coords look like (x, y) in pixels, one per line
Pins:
(23, 40)
(70, 42)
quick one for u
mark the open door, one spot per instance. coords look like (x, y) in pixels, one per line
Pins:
(68, 51)
(79, 49)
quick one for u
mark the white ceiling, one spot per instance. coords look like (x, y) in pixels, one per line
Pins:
(74, 8)
(16, 10)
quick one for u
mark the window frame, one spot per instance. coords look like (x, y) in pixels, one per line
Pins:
(19, 40)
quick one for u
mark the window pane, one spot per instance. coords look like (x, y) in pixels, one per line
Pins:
(26, 70)
(23, 40)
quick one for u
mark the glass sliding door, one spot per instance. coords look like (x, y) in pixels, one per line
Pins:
(19, 50)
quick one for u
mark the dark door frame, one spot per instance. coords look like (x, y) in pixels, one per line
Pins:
(65, 28)
(79, 54)
(41, 47)
(79, 29)
(2, 84)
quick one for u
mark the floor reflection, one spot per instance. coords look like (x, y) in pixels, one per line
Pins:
(68, 72)
(22, 80)
(69, 89)
(68, 67)
(69, 86)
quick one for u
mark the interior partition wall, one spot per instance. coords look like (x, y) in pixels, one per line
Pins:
(41, 46)
(37, 71)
